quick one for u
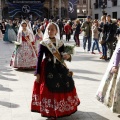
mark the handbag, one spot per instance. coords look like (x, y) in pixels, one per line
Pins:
(103, 39)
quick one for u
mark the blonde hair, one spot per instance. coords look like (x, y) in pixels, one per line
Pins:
(77, 21)
(96, 21)
(103, 18)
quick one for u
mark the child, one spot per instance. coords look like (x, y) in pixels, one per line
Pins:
(24, 56)
(38, 38)
(54, 93)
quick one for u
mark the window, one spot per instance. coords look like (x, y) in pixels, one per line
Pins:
(114, 2)
(114, 15)
(101, 2)
(84, 1)
(96, 4)
(105, 2)
(96, 16)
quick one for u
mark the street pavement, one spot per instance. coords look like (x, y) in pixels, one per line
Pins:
(16, 87)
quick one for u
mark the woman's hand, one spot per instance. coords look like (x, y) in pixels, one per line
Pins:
(66, 56)
(114, 69)
(37, 78)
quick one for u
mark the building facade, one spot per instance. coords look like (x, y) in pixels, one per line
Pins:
(84, 8)
(38, 8)
(112, 7)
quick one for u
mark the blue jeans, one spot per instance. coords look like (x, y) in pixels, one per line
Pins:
(89, 42)
(95, 42)
(104, 49)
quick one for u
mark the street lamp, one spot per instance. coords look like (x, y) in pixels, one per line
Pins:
(103, 6)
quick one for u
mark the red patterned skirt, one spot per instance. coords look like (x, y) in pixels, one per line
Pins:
(51, 104)
(24, 56)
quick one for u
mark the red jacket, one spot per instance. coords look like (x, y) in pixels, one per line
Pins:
(67, 29)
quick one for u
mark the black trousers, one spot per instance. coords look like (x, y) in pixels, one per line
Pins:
(110, 48)
(67, 37)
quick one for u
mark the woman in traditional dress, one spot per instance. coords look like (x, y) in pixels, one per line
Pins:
(10, 34)
(38, 38)
(109, 89)
(34, 27)
(54, 93)
(16, 26)
(102, 30)
(24, 56)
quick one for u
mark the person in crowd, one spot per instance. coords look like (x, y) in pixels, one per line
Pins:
(16, 26)
(38, 23)
(71, 24)
(35, 26)
(86, 27)
(95, 36)
(24, 56)
(30, 27)
(42, 27)
(50, 21)
(111, 28)
(102, 30)
(30, 17)
(61, 27)
(77, 32)
(67, 29)
(45, 22)
(109, 89)
(118, 29)
(54, 82)
(29, 24)
(10, 34)
(38, 38)
(1, 27)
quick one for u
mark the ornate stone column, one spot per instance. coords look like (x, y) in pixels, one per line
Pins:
(52, 7)
(88, 7)
(60, 9)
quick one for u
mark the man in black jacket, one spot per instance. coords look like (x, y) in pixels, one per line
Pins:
(61, 27)
(111, 28)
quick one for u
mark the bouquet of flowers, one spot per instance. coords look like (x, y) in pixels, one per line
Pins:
(69, 49)
(17, 45)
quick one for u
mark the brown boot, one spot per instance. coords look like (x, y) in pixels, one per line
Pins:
(105, 58)
(102, 57)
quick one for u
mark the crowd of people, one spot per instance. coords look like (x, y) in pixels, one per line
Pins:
(54, 93)
(102, 31)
